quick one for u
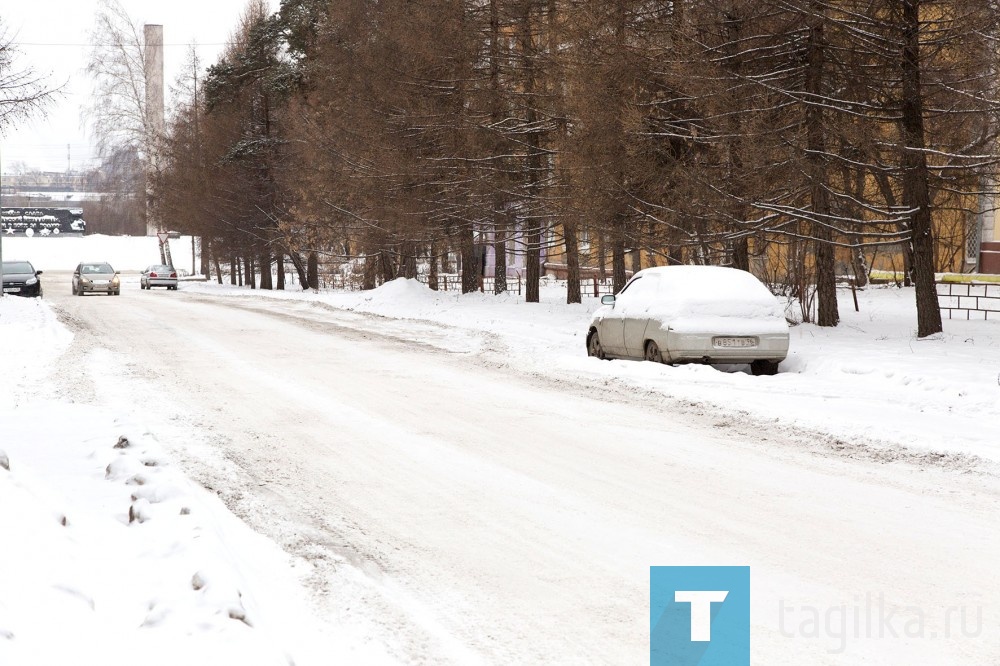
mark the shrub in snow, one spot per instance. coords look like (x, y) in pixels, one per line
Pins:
(4, 461)
(121, 468)
(122, 442)
(139, 511)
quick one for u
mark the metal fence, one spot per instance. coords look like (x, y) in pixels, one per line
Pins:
(969, 300)
(593, 287)
(589, 287)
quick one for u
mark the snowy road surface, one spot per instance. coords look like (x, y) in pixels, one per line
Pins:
(460, 511)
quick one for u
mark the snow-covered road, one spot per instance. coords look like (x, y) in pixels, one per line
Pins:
(459, 509)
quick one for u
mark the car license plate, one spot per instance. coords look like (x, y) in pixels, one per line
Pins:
(743, 342)
(12, 289)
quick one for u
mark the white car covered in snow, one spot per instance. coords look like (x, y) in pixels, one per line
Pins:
(692, 314)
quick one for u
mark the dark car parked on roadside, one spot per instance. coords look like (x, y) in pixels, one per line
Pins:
(21, 278)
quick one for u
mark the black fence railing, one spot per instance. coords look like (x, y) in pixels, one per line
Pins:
(964, 300)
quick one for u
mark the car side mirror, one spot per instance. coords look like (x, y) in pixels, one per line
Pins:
(608, 299)
(38, 272)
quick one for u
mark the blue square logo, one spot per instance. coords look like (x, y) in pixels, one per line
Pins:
(699, 616)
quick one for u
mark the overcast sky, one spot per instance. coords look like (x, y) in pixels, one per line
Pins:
(53, 35)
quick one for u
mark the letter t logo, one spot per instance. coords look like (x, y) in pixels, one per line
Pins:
(701, 611)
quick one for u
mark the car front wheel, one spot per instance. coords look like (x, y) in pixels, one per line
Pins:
(594, 347)
(653, 352)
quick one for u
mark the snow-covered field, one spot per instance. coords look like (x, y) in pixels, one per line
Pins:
(111, 555)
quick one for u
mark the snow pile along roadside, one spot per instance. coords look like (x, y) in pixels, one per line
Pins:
(111, 556)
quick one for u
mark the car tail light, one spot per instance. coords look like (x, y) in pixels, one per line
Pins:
(173, 275)
(152, 275)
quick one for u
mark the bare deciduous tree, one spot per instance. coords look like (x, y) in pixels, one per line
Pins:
(23, 92)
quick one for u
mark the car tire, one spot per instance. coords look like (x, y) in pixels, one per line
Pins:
(652, 352)
(118, 292)
(761, 368)
(594, 347)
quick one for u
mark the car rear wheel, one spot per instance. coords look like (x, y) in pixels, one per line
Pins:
(594, 347)
(764, 368)
(653, 352)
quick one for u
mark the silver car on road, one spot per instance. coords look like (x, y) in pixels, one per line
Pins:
(158, 275)
(684, 314)
(96, 277)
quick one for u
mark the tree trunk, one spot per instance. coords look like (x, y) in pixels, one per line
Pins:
(265, 270)
(499, 253)
(369, 279)
(300, 269)
(602, 255)
(408, 261)
(249, 275)
(432, 272)
(916, 193)
(207, 252)
(386, 266)
(313, 269)
(533, 161)
(618, 274)
(741, 245)
(500, 225)
(279, 263)
(532, 262)
(826, 279)
(741, 253)
(218, 267)
(470, 264)
(573, 294)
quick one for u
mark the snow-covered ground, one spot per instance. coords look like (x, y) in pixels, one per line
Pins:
(111, 555)
(869, 382)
